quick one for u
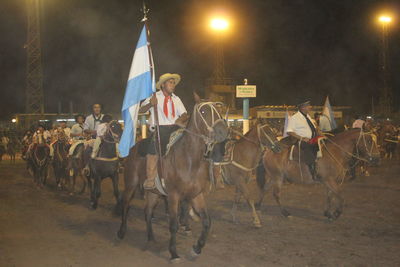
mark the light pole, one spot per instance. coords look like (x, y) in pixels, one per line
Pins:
(385, 98)
(219, 26)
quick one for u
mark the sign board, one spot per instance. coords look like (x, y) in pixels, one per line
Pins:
(244, 91)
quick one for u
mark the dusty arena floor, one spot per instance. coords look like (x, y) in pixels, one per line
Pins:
(46, 227)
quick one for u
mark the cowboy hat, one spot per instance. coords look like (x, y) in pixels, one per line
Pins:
(165, 77)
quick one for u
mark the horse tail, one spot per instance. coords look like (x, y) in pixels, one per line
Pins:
(260, 175)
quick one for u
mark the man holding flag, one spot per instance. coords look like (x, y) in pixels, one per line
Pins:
(171, 114)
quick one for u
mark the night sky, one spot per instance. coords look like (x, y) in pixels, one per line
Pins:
(289, 49)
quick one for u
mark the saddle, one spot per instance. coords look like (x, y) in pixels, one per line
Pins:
(303, 155)
(143, 144)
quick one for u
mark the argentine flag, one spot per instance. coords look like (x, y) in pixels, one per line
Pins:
(328, 112)
(139, 87)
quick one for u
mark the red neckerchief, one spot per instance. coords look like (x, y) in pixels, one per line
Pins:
(166, 98)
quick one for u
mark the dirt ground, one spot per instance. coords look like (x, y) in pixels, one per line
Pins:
(46, 227)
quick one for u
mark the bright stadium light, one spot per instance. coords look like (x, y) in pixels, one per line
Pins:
(385, 19)
(14, 120)
(219, 24)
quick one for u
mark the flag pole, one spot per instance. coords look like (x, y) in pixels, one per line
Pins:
(156, 120)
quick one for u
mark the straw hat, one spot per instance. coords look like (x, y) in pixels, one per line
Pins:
(165, 77)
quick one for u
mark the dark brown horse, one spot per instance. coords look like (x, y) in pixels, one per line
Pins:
(331, 168)
(39, 160)
(244, 158)
(60, 159)
(76, 166)
(185, 172)
(105, 165)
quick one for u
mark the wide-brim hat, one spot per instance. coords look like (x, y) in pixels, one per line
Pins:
(167, 76)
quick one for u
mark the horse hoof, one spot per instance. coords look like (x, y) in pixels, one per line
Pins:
(175, 260)
(121, 234)
(257, 224)
(194, 254)
(187, 233)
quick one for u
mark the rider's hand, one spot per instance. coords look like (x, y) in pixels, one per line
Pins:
(305, 139)
(153, 100)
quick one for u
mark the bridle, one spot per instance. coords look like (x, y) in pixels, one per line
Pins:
(361, 137)
(109, 132)
(215, 118)
(260, 133)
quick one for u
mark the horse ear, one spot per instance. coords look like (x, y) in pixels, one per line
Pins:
(197, 98)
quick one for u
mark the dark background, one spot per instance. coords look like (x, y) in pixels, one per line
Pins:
(289, 49)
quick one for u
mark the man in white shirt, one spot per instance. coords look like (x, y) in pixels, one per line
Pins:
(301, 127)
(171, 114)
(77, 133)
(101, 130)
(93, 120)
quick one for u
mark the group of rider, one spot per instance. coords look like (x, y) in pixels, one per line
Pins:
(172, 114)
(87, 130)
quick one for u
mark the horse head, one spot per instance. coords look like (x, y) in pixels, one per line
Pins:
(367, 147)
(114, 131)
(268, 138)
(208, 121)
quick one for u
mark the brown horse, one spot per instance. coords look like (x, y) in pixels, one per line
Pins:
(331, 168)
(76, 167)
(60, 160)
(245, 156)
(387, 140)
(185, 172)
(39, 160)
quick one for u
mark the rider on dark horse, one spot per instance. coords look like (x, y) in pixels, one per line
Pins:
(101, 130)
(301, 127)
(171, 114)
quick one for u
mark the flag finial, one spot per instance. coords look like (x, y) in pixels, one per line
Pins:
(145, 12)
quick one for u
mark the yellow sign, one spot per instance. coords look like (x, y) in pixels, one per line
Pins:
(244, 91)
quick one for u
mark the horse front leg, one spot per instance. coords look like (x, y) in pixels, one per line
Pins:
(128, 194)
(276, 192)
(184, 217)
(95, 194)
(246, 194)
(334, 200)
(151, 203)
(173, 202)
(117, 194)
(200, 207)
(236, 200)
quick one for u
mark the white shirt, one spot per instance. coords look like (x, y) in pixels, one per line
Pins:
(46, 135)
(77, 129)
(162, 119)
(91, 123)
(358, 123)
(101, 129)
(298, 125)
(67, 131)
(324, 124)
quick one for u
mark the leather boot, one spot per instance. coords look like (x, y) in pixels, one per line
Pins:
(313, 171)
(219, 182)
(151, 172)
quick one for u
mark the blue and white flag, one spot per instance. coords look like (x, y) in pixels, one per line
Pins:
(139, 87)
(286, 124)
(328, 112)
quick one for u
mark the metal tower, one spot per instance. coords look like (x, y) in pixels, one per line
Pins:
(34, 78)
